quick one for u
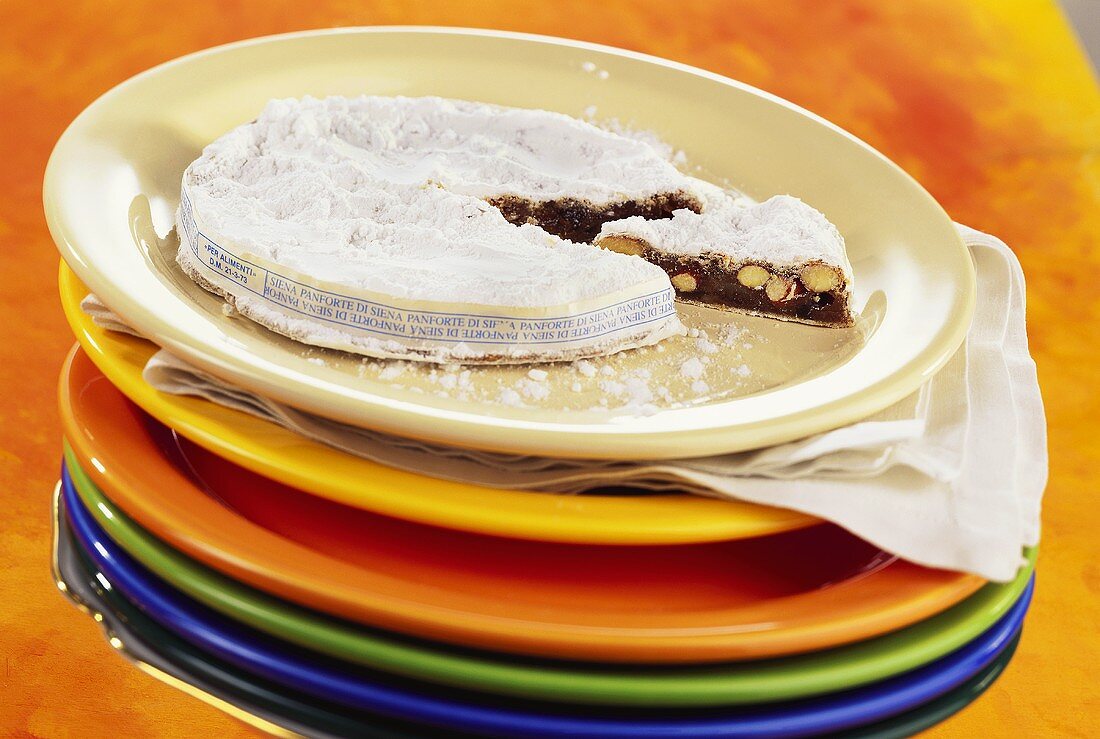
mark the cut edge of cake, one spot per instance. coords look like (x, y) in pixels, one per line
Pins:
(580, 219)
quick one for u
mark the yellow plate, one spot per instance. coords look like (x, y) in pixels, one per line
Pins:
(112, 185)
(285, 456)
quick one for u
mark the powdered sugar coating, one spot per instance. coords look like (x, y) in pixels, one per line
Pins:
(341, 189)
(782, 231)
(475, 148)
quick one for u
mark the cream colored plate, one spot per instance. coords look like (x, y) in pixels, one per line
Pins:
(112, 186)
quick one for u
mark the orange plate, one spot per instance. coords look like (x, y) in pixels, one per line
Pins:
(792, 592)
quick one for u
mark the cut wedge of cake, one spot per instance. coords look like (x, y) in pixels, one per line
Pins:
(779, 258)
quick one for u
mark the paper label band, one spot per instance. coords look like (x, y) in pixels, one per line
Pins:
(359, 313)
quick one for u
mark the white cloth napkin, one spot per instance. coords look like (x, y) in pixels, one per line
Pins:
(950, 477)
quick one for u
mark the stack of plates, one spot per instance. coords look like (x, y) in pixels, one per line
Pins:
(307, 590)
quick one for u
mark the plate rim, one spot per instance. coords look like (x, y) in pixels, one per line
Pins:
(476, 430)
(309, 466)
(722, 685)
(231, 543)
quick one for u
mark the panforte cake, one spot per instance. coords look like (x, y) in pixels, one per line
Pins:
(779, 258)
(453, 231)
(371, 225)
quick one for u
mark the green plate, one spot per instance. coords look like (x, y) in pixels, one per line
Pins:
(712, 685)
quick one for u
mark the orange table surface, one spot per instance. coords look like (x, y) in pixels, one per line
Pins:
(989, 103)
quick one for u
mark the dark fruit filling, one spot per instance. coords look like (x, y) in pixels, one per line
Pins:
(579, 220)
(717, 286)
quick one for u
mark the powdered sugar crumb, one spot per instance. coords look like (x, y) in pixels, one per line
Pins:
(392, 371)
(612, 387)
(510, 397)
(586, 368)
(705, 345)
(638, 390)
(533, 390)
(692, 368)
(731, 335)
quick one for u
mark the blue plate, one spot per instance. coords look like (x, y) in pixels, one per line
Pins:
(326, 679)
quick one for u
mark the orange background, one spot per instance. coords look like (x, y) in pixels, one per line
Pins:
(989, 103)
